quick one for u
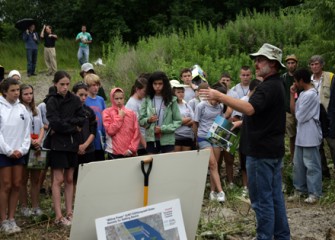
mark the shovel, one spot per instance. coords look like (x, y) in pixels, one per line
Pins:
(146, 174)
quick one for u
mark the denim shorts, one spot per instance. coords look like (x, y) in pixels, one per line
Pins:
(206, 144)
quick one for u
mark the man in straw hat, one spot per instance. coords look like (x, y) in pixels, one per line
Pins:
(262, 141)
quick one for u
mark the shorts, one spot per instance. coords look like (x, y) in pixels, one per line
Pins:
(10, 162)
(291, 125)
(185, 142)
(86, 158)
(63, 159)
(157, 148)
(99, 155)
(206, 144)
(142, 152)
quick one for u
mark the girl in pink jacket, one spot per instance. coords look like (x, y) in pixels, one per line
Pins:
(122, 128)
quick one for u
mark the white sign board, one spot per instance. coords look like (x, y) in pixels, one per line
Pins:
(159, 221)
(114, 186)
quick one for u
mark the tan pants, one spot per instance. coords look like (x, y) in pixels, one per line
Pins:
(50, 60)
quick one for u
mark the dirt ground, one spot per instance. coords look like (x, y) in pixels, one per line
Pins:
(306, 221)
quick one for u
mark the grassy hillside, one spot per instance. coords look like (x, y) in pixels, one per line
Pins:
(13, 55)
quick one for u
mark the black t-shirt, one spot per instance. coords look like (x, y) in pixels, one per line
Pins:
(263, 133)
(49, 42)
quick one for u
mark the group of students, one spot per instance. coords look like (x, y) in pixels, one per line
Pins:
(76, 128)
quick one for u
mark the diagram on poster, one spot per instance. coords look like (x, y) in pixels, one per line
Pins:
(221, 134)
(159, 221)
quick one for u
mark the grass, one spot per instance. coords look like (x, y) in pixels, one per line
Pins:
(13, 55)
(217, 221)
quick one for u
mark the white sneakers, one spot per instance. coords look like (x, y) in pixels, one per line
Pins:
(311, 199)
(27, 212)
(10, 227)
(220, 197)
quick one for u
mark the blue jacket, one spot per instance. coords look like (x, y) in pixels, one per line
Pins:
(29, 40)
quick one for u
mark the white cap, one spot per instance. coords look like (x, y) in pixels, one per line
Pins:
(177, 84)
(13, 73)
(86, 67)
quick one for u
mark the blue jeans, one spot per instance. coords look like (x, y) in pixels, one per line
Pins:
(83, 55)
(267, 200)
(31, 61)
(307, 170)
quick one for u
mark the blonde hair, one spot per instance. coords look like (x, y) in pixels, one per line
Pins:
(91, 79)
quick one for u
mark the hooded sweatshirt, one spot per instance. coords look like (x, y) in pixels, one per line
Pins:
(14, 128)
(123, 133)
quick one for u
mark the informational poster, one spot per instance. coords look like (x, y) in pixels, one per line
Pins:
(221, 134)
(111, 187)
(159, 221)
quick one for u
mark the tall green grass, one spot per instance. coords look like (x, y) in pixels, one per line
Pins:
(13, 55)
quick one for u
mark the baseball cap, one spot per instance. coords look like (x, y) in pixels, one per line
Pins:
(177, 84)
(13, 73)
(86, 67)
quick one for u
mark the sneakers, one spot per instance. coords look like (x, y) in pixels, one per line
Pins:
(231, 186)
(69, 217)
(6, 227)
(245, 192)
(311, 199)
(296, 196)
(212, 196)
(37, 212)
(220, 197)
(63, 222)
(10, 227)
(15, 228)
(26, 212)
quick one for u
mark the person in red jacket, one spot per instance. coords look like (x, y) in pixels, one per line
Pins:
(121, 126)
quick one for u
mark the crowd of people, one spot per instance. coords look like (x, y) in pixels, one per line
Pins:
(75, 127)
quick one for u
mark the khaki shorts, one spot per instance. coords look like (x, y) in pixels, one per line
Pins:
(291, 125)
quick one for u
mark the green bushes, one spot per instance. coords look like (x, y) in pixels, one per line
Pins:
(216, 49)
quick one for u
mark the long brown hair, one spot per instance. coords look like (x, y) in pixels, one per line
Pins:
(31, 105)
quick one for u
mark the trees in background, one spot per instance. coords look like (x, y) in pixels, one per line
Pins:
(131, 19)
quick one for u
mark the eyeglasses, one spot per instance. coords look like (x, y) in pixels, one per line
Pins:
(288, 63)
(259, 59)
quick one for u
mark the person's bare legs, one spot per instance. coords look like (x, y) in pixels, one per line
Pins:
(177, 148)
(35, 187)
(5, 188)
(15, 190)
(229, 162)
(213, 168)
(186, 148)
(58, 179)
(68, 181)
(23, 197)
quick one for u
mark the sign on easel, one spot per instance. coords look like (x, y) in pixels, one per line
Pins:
(158, 221)
(110, 187)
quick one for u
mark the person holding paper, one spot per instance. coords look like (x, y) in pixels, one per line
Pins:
(205, 114)
(262, 141)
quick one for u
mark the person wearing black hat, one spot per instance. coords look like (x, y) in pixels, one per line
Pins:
(262, 141)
